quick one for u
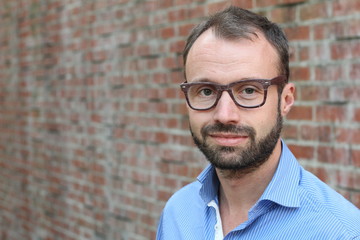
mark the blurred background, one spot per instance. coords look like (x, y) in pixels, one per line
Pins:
(93, 129)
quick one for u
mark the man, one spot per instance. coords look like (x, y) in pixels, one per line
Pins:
(237, 91)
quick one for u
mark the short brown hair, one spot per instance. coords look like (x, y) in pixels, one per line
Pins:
(234, 23)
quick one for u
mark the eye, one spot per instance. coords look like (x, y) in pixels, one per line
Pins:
(248, 90)
(206, 92)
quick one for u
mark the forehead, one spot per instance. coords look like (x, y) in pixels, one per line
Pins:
(215, 58)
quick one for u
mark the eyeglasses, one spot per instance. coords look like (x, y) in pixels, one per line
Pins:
(250, 93)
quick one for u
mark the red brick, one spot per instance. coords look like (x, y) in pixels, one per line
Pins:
(330, 113)
(355, 71)
(313, 93)
(292, 1)
(345, 50)
(163, 195)
(333, 155)
(355, 156)
(351, 93)
(345, 7)
(304, 54)
(322, 31)
(352, 29)
(184, 30)
(217, 6)
(297, 33)
(303, 152)
(345, 135)
(182, 2)
(178, 15)
(265, 3)
(168, 32)
(356, 117)
(290, 132)
(301, 113)
(299, 74)
(315, 133)
(177, 47)
(314, 11)
(283, 15)
(329, 73)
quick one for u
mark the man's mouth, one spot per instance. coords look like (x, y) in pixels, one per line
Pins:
(228, 139)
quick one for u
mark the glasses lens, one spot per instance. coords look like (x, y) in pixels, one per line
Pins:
(202, 96)
(248, 93)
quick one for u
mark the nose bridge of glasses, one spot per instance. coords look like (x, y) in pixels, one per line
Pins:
(230, 96)
(224, 88)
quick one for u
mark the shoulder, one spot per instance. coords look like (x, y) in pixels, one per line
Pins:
(328, 206)
(181, 214)
(184, 197)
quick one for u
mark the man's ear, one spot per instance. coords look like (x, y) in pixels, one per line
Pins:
(287, 98)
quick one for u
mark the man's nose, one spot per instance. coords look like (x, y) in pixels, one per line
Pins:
(226, 111)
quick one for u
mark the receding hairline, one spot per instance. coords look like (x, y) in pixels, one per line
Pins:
(253, 35)
(237, 23)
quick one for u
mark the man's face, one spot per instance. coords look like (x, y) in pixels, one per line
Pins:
(232, 137)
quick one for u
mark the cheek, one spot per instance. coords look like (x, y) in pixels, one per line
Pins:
(267, 123)
(197, 121)
(267, 117)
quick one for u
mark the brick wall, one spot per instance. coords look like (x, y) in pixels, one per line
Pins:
(93, 128)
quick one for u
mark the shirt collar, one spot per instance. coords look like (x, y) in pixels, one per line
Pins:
(282, 189)
(210, 184)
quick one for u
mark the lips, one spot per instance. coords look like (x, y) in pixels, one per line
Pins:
(228, 139)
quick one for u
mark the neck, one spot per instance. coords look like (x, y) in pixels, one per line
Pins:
(237, 194)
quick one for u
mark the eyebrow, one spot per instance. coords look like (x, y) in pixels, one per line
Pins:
(206, 80)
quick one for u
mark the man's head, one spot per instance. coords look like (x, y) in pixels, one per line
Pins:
(235, 121)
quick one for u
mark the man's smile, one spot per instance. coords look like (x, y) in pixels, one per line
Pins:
(228, 139)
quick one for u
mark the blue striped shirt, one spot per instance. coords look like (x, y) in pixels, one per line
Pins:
(295, 205)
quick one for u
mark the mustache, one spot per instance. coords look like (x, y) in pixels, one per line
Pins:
(227, 128)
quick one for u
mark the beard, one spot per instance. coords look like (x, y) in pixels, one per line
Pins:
(237, 161)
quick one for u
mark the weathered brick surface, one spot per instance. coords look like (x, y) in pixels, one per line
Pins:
(93, 128)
